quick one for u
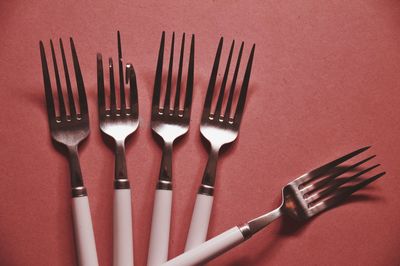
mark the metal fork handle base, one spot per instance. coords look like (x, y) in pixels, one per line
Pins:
(206, 190)
(121, 184)
(79, 192)
(164, 185)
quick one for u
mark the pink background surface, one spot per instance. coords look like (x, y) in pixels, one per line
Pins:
(325, 81)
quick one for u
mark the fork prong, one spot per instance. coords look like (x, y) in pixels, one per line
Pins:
(323, 169)
(190, 79)
(218, 107)
(243, 91)
(63, 114)
(79, 80)
(133, 90)
(169, 77)
(158, 78)
(121, 74)
(113, 100)
(179, 79)
(332, 186)
(317, 185)
(47, 85)
(233, 85)
(71, 101)
(100, 86)
(343, 193)
(211, 84)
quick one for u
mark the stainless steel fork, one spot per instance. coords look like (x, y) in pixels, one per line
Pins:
(169, 124)
(69, 130)
(219, 130)
(118, 124)
(303, 198)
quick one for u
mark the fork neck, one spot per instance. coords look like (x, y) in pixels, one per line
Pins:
(121, 174)
(165, 177)
(253, 226)
(78, 189)
(207, 184)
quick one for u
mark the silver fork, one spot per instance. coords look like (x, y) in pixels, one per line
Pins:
(169, 124)
(69, 130)
(219, 130)
(118, 124)
(302, 199)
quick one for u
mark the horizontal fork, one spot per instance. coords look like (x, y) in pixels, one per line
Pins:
(293, 205)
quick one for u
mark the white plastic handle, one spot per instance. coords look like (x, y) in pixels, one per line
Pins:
(209, 250)
(160, 226)
(84, 236)
(200, 220)
(122, 228)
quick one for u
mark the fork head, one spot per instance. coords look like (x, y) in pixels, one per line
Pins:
(326, 186)
(167, 121)
(66, 129)
(218, 128)
(115, 122)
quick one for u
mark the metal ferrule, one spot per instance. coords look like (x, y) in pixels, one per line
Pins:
(164, 185)
(121, 184)
(246, 231)
(206, 190)
(79, 192)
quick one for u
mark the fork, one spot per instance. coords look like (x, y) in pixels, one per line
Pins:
(118, 124)
(219, 130)
(69, 130)
(302, 199)
(169, 124)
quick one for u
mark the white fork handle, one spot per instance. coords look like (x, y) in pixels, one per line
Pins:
(200, 220)
(209, 250)
(122, 228)
(160, 226)
(84, 236)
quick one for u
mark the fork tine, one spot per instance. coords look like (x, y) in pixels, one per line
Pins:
(121, 74)
(190, 78)
(100, 86)
(323, 169)
(158, 79)
(307, 189)
(243, 91)
(332, 187)
(169, 77)
(133, 89)
(47, 85)
(343, 193)
(178, 81)
(61, 103)
(233, 85)
(71, 102)
(213, 78)
(79, 80)
(113, 100)
(223, 84)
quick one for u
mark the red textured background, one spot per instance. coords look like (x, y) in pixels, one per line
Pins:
(325, 81)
